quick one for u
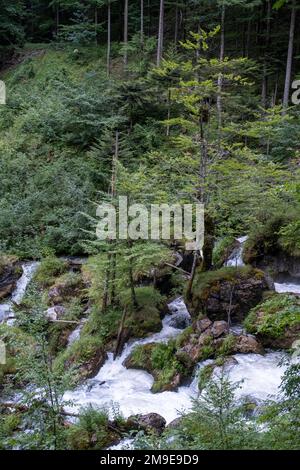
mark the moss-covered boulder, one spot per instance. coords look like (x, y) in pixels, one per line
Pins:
(208, 340)
(94, 431)
(227, 291)
(86, 356)
(151, 423)
(160, 360)
(10, 271)
(276, 322)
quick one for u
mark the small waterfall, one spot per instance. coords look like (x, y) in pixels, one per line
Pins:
(75, 335)
(236, 257)
(7, 313)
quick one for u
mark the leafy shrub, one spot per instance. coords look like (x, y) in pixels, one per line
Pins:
(274, 316)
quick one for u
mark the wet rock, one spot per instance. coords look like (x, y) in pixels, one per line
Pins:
(204, 324)
(150, 423)
(234, 290)
(55, 313)
(219, 328)
(175, 424)
(246, 344)
(179, 320)
(10, 272)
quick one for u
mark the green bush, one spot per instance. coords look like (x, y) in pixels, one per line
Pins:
(272, 317)
(49, 269)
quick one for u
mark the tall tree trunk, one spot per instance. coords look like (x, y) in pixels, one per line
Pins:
(131, 280)
(289, 63)
(248, 39)
(57, 20)
(220, 76)
(160, 44)
(142, 22)
(96, 25)
(108, 37)
(169, 110)
(176, 27)
(125, 33)
(264, 92)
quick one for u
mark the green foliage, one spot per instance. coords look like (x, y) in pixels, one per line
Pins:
(160, 361)
(274, 316)
(48, 270)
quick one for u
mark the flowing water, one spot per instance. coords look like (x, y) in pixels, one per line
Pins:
(75, 335)
(130, 390)
(287, 284)
(236, 257)
(6, 309)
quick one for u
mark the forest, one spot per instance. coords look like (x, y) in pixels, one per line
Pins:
(146, 344)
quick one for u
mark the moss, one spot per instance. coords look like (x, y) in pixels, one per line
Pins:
(207, 350)
(93, 431)
(274, 316)
(278, 234)
(161, 361)
(9, 424)
(227, 345)
(146, 318)
(183, 337)
(207, 282)
(66, 287)
(58, 333)
(49, 269)
(88, 353)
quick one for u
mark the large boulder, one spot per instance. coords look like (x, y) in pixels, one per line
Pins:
(216, 340)
(168, 368)
(246, 344)
(10, 272)
(150, 423)
(276, 322)
(228, 292)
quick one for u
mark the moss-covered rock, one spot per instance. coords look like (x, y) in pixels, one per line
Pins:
(161, 362)
(86, 356)
(151, 423)
(94, 431)
(276, 322)
(227, 290)
(10, 271)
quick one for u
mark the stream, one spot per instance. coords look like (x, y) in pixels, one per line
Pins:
(7, 313)
(129, 391)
